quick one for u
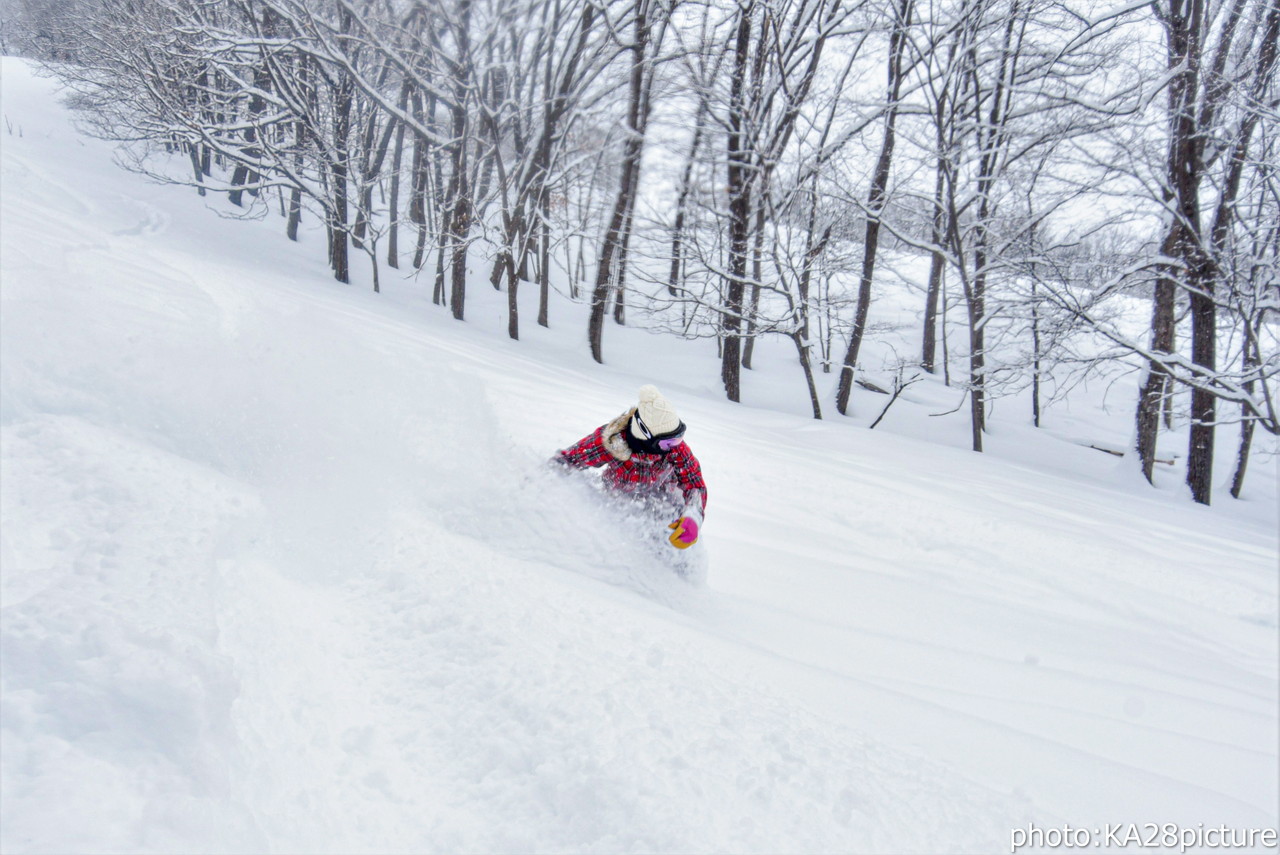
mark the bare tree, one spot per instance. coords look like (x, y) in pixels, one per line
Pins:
(902, 13)
(640, 48)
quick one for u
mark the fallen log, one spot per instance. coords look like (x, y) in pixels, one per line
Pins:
(1112, 451)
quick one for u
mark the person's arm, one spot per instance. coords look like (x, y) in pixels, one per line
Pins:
(689, 476)
(685, 530)
(585, 453)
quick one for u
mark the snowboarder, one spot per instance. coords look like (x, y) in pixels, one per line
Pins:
(645, 456)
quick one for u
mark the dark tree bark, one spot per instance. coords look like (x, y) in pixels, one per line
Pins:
(875, 204)
(620, 272)
(338, 170)
(194, 154)
(1155, 388)
(739, 166)
(1204, 308)
(393, 203)
(419, 181)
(937, 267)
(992, 137)
(1246, 427)
(1183, 31)
(460, 196)
(373, 153)
(639, 127)
(633, 148)
(802, 349)
(682, 201)
(242, 173)
(526, 209)
(757, 274)
(544, 262)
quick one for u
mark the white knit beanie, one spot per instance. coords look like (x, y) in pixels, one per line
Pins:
(656, 412)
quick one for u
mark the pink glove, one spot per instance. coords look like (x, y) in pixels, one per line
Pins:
(684, 532)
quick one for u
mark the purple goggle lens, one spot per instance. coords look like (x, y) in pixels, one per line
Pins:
(670, 443)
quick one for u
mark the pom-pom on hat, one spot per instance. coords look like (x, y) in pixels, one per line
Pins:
(656, 412)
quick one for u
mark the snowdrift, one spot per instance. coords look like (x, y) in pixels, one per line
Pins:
(283, 571)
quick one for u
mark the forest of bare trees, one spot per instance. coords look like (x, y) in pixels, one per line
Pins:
(1083, 186)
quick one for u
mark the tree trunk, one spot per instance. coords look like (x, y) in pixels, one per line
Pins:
(295, 214)
(977, 349)
(1204, 310)
(682, 201)
(620, 275)
(937, 261)
(633, 148)
(195, 167)
(814, 247)
(757, 273)
(238, 178)
(460, 211)
(802, 347)
(544, 262)
(339, 171)
(1184, 172)
(513, 307)
(418, 180)
(295, 195)
(393, 204)
(875, 205)
(1155, 387)
(459, 226)
(1246, 428)
(739, 157)
(991, 139)
(1204, 352)
(1035, 357)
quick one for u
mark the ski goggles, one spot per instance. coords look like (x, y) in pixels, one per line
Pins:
(665, 443)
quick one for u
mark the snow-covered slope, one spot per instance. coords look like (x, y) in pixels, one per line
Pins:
(282, 571)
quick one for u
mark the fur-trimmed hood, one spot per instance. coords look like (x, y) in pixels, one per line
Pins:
(614, 441)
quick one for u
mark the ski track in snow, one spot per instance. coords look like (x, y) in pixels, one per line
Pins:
(283, 571)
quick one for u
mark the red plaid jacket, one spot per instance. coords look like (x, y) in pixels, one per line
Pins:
(640, 473)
